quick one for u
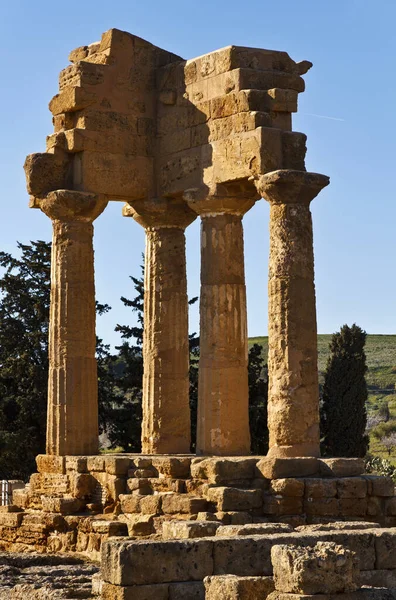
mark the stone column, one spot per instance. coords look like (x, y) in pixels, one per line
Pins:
(293, 400)
(72, 420)
(166, 409)
(223, 405)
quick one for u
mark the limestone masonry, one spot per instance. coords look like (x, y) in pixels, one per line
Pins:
(176, 140)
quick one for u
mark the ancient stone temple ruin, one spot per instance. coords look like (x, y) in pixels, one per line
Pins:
(175, 140)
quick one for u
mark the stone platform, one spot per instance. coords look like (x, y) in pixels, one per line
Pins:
(161, 525)
(75, 503)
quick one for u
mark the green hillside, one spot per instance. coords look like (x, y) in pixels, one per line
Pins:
(381, 360)
(381, 376)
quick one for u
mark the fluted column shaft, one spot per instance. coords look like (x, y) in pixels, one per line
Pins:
(72, 424)
(72, 418)
(293, 398)
(223, 410)
(166, 427)
(166, 412)
(293, 404)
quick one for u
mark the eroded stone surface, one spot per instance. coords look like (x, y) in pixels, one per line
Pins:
(293, 396)
(326, 568)
(173, 138)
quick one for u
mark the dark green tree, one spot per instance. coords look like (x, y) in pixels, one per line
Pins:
(383, 411)
(343, 414)
(258, 400)
(24, 317)
(125, 418)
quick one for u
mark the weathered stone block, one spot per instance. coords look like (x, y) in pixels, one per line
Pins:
(375, 506)
(139, 525)
(277, 505)
(287, 487)
(172, 467)
(140, 486)
(82, 74)
(327, 568)
(341, 467)
(188, 529)
(364, 594)
(253, 529)
(378, 578)
(135, 592)
(181, 503)
(231, 587)
(280, 468)
(234, 517)
(293, 150)
(141, 473)
(206, 516)
(223, 470)
(192, 590)
(125, 563)
(326, 507)
(11, 519)
(352, 487)
(151, 505)
(10, 508)
(46, 172)
(227, 498)
(76, 463)
(116, 175)
(71, 99)
(117, 465)
(142, 462)
(352, 507)
(110, 528)
(20, 498)
(245, 556)
(95, 463)
(47, 463)
(130, 503)
(385, 549)
(320, 488)
(82, 485)
(65, 506)
(380, 485)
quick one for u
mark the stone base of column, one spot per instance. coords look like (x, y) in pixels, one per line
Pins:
(296, 450)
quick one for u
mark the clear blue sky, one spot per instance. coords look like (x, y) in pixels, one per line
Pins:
(352, 44)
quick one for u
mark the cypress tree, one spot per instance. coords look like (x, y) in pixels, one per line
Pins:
(343, 414)
(258, 400)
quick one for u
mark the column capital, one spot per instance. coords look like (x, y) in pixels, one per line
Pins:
(157, 213)
(70, 205)
(222, 199)
(288, 186)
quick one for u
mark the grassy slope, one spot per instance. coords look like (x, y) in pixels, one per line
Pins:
(380, 352)
(381, 375)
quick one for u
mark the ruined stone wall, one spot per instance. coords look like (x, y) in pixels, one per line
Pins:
(75, 503)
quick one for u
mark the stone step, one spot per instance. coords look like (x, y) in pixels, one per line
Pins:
(125, 563)
(188, 529)
(162, 503)
(230, 498)
(238, 588)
